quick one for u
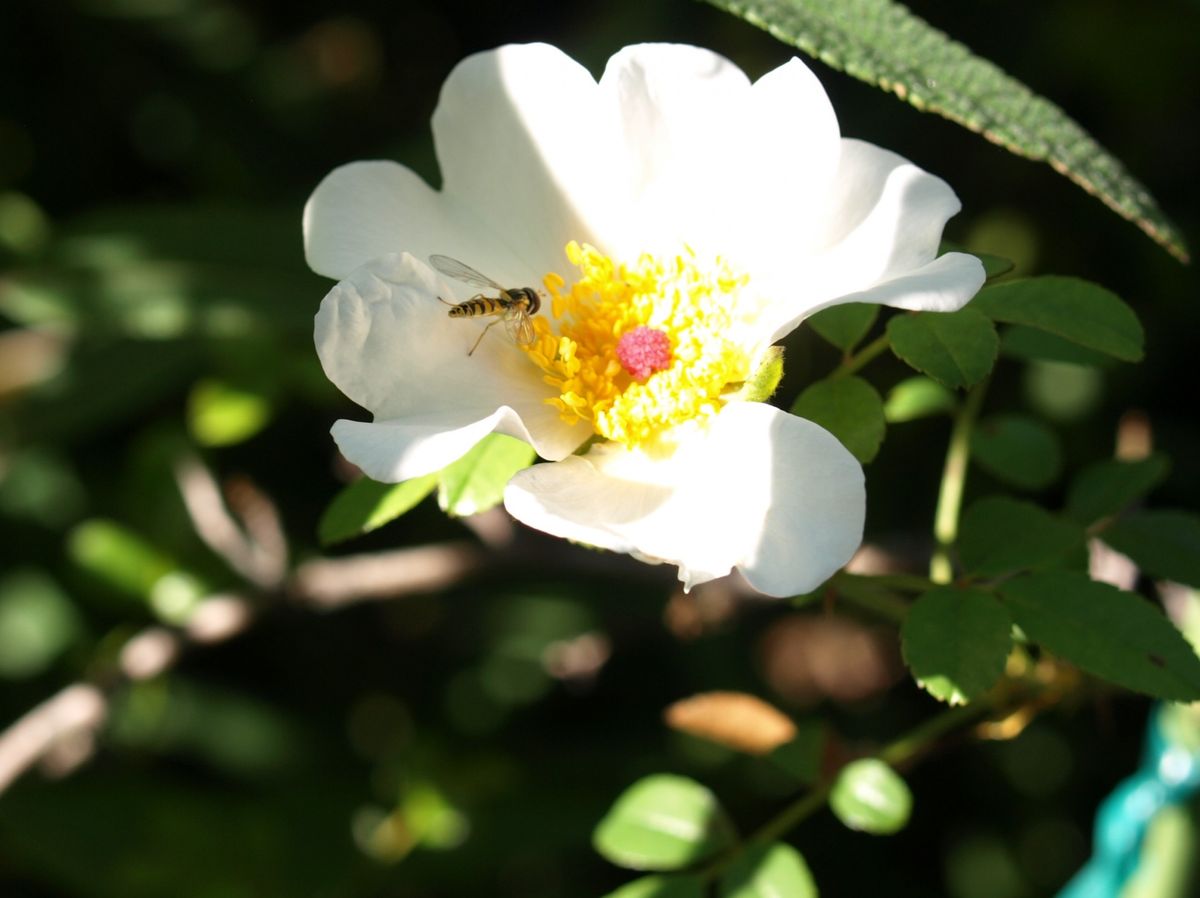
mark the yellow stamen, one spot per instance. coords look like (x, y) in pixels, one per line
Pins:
(700, 310)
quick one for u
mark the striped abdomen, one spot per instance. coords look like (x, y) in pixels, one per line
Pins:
(478, 307)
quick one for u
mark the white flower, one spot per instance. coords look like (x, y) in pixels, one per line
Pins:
(678, 220)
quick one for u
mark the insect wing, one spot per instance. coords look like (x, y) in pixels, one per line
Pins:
(519, 326)
(460, 271)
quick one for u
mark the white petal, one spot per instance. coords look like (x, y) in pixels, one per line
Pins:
(518, 142)
(678, 111)
(884, 222)
(769, 493)
(391, 451)
(783, 165)
(368, 209)
(388, 344)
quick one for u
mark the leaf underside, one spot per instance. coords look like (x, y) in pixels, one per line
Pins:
(882, 43)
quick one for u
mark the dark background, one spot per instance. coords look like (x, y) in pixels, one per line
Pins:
(155, 156)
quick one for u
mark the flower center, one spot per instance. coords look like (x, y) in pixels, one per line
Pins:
(643, 351)
(642, 347)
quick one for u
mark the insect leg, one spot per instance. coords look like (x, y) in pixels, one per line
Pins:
(482, 334)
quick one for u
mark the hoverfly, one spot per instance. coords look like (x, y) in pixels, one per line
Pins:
(514, 306)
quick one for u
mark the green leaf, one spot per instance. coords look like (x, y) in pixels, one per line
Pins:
(769, 871)
(869, 796)
(1074, 309)
(1017, 450)
(850, 409)
(37, 623)
(663, 822)
(1165, 544)
(917, 397)
(955, 642)
(476, 481)
(1108, 487)
(882, 43)
(993, 266)
(1115, 635)
(957, 349)
(127, 563)
(661, 887)
(1001, 535)
(845, 324)
(367, 505)
(220, 414)
(801, 757)
(1033, 345)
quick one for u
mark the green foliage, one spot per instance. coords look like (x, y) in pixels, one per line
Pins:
(38, 623)
(661, 887)
(844, 325)
(222, 414)
(165, 272)
(1075, 310)
(869, 796)
(917, 397)
(850, 409)
(994, 266)
(1165, 544)
(1033, 345)
(1001, 535)
(1111, 634)
(957, 349)
(881, 42)
(768, 871)
(476, 481)
(1109, 486)
(955, 642)
(130, 566)
(1018, 450)
(663, 822)
(367, 505)
(801, 757)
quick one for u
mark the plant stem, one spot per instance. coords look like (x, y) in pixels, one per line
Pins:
(900, 751)
(954, 476)
(859, 359)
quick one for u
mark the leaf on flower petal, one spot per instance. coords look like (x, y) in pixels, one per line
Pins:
(881, 42)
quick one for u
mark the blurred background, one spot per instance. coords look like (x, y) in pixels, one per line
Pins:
(447, 707)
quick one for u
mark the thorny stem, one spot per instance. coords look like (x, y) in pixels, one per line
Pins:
(859, 359)
(954, 476)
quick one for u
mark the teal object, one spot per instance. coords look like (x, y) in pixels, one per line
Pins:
(1169, 775)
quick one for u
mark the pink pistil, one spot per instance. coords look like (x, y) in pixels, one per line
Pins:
(642, 351)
